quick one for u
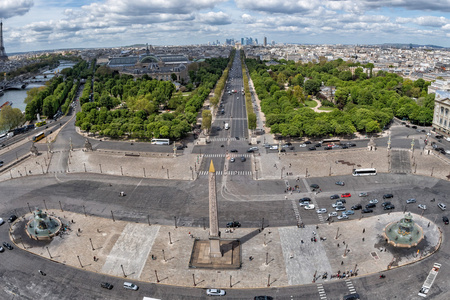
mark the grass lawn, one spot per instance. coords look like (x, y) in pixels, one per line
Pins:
(326, 108)
(310, 103)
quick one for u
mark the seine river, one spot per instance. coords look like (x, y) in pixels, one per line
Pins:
(16, 97)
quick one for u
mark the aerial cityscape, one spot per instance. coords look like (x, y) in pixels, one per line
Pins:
(240, 149)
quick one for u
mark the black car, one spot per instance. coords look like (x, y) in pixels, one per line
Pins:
(250, 150)
(344, 147)
(367, 210)
(327, 148)
(332, 197)
(371, 205)
(307, 142)
(445, 220)
(282, 150)
(304, 199)
(314, 186)
(292, 148)
(439, 136)
(289, 144)
(356, 207)
(386, 203)
(386, 196)
(180, 147)
(7, 246)
(243, 158)
(389, 206)
(351, 145)
(312, 148)
(106, 285)
(237, 138)
(233, 150)
(12, 218)
(414, 127)
(263, 298)
(233, 224)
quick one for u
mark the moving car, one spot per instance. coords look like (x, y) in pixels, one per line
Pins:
(1, 221)
(311, 148)
(106, 285)
(243, 158)
(233, 150)
(327, 148)
(341, 183)
(345, 195)
(215, 292)
(2, 249)
(422, 206)
(363, 194)
(354, 296)
(7, 246)
(232, 159)
(321, 211)
(445, 220)
(263, 298)
(314, 186)
(233, 224)
(387, 196)
(412, 200)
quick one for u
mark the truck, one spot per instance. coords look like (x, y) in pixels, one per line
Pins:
(430, 280)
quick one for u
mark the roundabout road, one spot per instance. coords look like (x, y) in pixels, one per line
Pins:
(161, 200)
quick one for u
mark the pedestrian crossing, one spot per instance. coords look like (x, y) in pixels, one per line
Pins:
(224, 139)
(227, 173)
(350, 286)
(321, 290)
(225, 155)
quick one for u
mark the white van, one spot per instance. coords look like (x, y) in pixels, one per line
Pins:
(227, 126)
(130, 286)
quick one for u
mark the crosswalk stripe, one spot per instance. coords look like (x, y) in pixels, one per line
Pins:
(229, 173)
(230, 154)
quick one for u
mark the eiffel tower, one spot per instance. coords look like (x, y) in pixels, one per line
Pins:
(3, 56)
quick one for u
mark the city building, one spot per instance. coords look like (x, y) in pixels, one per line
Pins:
(441, 116)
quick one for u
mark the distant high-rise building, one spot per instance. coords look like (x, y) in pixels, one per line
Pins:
(3, 56)
(256, 41)
(242, 41)
(265, 41)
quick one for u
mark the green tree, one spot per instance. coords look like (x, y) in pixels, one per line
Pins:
(10, 118)
(206, 120)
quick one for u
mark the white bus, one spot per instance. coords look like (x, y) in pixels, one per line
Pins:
(160, 141)
(364, 172)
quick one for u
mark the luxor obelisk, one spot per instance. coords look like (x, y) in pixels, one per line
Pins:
(214, 237)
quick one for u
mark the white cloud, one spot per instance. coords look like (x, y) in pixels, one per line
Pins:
(12, 8)
(215, 18)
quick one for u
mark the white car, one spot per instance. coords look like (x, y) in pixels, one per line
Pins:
(1, 221)
(311, 206)
(339, 203)
(304, 203)
(374, 201)
(302, 145)
(273, 147)
(447, 139)
(442, 206)
(343, 216)
(215, 292)
(422, 206)
(332, 214)
(363, 194)
(321, 211)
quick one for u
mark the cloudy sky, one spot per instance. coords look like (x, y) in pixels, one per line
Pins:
(53, 24)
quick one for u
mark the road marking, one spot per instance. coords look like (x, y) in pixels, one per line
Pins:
(322, 293)
(227, 173)
(350, 286)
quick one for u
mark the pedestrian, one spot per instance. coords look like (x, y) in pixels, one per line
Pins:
(312, 239)
(363, 239)
(301, 241)
(342, 262)
(343, 242)
(338, 245)
(364, 230)
(95, 258)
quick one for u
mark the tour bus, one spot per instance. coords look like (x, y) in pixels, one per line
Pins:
(364, 172)
(160, 141)
(331, 141)
(38, 137)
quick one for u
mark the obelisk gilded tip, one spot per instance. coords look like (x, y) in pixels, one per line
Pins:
(211, 168)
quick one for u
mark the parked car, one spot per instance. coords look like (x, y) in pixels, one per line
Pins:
(340, 208)
(321, 211)
(389, 206)
(232, 159)
(422, 206)
(1, 221)
(374, 201)
(356, 207)
(442, 206)
(343, 200)
(106, 285)
(314, 186)
(304, 199)
(332, 197)
(345, 195)
(341, 183)
(343, 216)
(338, 203)
(445, 220)
(304, 203)
(7, 246)
(412, 200)
(318, 145)
(363, 194)
(333, 214)
(308, 207)
(233, 224)
(215, 292)
(263, 298)
(367, 210)
(349, 212)
(130, 286)
(371, 205)
(2, 249)
(386, 203)
(387, 196)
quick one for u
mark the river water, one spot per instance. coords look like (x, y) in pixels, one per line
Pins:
(16, 97)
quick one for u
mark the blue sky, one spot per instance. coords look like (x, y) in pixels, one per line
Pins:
(54, 24)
